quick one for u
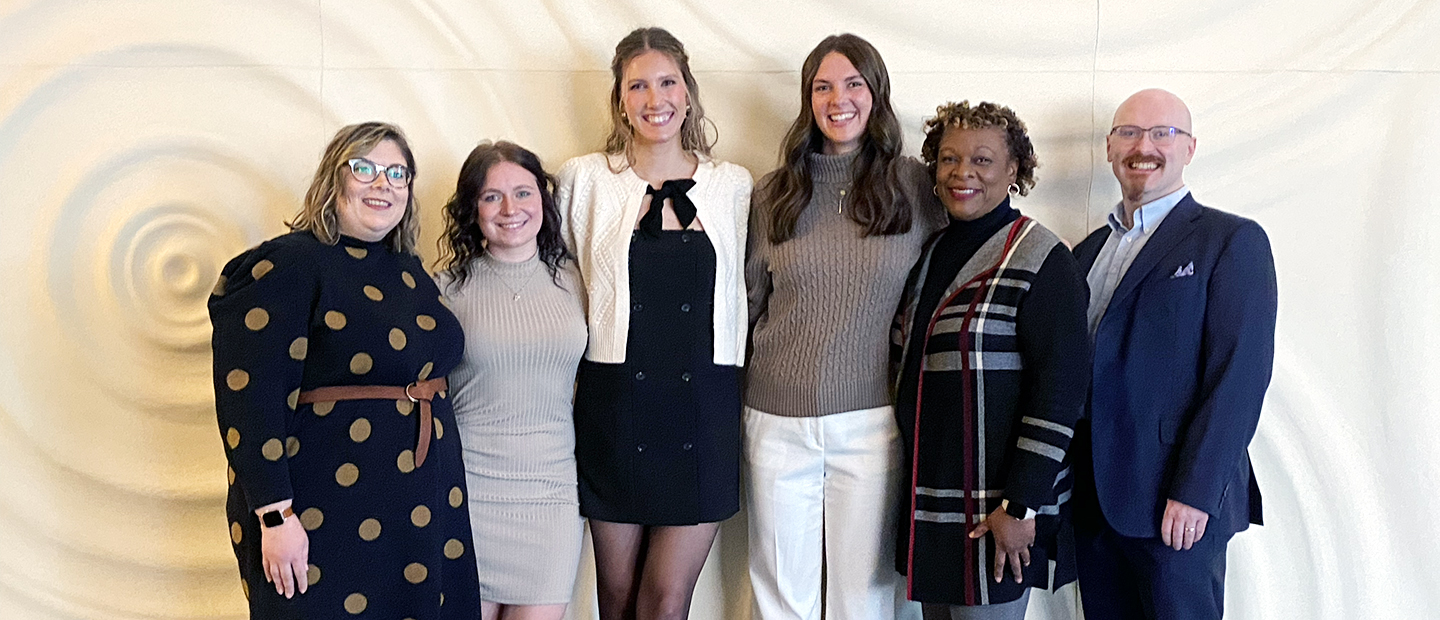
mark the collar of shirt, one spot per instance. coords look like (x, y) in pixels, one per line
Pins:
(1150, 214)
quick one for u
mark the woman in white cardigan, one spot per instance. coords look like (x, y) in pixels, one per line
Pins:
(658, 229)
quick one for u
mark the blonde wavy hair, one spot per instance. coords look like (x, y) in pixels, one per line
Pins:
(318, 213)
(693, 131)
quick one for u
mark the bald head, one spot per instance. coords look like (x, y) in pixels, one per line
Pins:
(1153, 103)
(1148, 158)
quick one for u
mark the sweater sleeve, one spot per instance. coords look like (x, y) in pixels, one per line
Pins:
(260, 313)
(757, 255)
(1055, 348)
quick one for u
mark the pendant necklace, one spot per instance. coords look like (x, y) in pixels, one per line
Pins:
(514, 291)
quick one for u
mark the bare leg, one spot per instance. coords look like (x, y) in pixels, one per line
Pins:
(532, 612)
(617, 567)
(673, 561)
(489, 610)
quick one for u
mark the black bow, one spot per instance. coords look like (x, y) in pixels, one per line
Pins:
(674, 189)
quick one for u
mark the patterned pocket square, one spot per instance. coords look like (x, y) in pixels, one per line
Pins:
(1181, 272)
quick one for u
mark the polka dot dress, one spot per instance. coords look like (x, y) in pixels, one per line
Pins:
(388, 539)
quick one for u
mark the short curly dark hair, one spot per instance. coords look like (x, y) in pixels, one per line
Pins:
(984, 114)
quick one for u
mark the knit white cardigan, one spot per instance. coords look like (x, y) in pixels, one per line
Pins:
(600, 208)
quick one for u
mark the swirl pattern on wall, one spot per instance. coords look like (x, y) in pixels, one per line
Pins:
(143, 143)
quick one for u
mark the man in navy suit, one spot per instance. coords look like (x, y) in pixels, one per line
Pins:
(1182, 312)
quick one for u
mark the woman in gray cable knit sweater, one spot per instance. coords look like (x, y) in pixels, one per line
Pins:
(834, 231)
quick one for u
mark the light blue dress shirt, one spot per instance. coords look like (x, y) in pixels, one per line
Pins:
(1121, 248)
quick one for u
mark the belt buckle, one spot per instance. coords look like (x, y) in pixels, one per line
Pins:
(407, 393)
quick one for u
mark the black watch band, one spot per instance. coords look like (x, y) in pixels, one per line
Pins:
(276, 518)
(1015, 509)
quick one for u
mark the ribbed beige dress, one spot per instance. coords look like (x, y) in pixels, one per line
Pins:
(513, 396)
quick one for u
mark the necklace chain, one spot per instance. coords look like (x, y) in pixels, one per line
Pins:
(514, 292)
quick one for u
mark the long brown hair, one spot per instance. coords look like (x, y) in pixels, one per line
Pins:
(318, 213)
(693, 135)
(462, 241)
(875, 200)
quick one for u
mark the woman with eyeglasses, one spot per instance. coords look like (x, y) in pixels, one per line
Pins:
(516, 291)
(993, 360)
(658, 229)
(331, 350)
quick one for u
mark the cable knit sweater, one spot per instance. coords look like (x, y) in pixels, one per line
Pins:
(821, 303)
(599, 209)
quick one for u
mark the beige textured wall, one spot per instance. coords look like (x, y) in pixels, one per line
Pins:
(143, 142)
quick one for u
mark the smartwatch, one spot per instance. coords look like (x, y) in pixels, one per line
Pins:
(275, 518)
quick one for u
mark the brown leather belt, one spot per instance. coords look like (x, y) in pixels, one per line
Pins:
(420, 391)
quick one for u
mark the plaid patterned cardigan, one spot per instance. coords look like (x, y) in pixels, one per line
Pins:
(992, 414)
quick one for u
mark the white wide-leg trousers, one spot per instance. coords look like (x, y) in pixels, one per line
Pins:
(821, 494)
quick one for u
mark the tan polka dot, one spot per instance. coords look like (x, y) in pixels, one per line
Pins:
(232, 437)
(408, 279)
(236, 533)
(292, 446)
(230, 474)
(425, 370)
(356, 603)
(442, 599)
(420, 516)
(454, 549)
(361, 363)
(256, 319)
(245, 587)
(359, 430)
(456, 497)
(404, 406)
(311, 519)
(373, 293)
(237, 379)
(416, 572)
(444, 302)
(293, 399)
(425, 321)
(261, 268)
(405, 462)
(272, 449)
(312, 574)
(299, 348)
(357, 252)
(369, 529)
(439, 430)
(347, 474)
(323, 408)
(397, 338)
(335, 319)
(442, 393)
(219, 290)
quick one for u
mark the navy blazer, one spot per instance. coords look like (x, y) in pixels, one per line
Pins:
(1183, 356)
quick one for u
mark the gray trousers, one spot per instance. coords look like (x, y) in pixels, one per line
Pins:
(1014, 610)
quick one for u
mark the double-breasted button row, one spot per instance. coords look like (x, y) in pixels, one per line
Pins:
(687, 446)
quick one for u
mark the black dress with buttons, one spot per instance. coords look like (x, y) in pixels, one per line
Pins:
(658, 436)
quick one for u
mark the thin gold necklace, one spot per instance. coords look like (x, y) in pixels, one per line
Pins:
(514, 292)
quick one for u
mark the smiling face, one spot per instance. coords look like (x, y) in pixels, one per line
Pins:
(973, 171)
(841, 100)
(369, 211)
(1146, 170)
(653, 97)
(510, 212)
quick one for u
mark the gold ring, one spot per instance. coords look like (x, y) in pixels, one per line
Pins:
(407, 394)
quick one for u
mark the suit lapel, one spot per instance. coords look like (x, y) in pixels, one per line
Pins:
(1178, 225)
